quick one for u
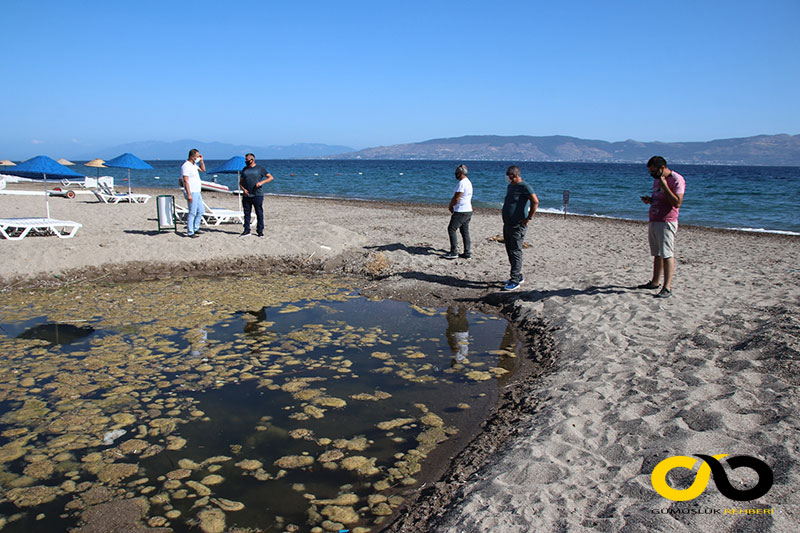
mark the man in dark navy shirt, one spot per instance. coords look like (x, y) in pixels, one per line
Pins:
(516, 216)
(253, 177)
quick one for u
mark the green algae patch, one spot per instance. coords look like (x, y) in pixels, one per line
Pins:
(205, 398)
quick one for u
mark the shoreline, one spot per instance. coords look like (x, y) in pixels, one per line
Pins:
(635, 379)
(177, 192)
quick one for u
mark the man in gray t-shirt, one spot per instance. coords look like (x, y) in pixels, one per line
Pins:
(516, 216)
(253, 177)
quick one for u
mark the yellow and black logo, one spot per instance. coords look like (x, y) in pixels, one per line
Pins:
(711, 466)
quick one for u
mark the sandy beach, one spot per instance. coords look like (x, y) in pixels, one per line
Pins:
(633, 379)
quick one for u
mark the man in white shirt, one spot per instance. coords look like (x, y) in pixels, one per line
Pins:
(461, 209)
(190, 179)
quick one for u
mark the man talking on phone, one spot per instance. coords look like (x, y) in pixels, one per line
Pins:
(665, 203)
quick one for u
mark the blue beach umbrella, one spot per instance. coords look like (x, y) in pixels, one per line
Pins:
(129, 161)
(40, 167)
(234, 165)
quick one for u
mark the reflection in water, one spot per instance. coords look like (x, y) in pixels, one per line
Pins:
(198, 341)
(254, 322)
(457, 333)
(55, 333)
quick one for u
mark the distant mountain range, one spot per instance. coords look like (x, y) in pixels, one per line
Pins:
(779, 150)
(759, 150)
(215, 150)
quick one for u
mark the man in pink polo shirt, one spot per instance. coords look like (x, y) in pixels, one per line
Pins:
(668, 188)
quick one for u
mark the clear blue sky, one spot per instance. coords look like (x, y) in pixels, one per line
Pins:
(82, 75)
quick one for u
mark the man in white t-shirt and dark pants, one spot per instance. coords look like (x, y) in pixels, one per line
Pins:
(190, 179)
(461, 209)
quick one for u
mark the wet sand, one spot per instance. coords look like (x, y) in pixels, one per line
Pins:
(631, 380)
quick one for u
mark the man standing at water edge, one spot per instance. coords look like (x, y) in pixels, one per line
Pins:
(190, 179)
(251, 183)
(461, 209)
(516, 217)
(668, 189)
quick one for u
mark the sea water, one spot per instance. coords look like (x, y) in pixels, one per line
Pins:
(742, 197)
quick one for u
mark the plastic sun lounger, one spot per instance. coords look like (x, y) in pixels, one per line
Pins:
(16, 229)
(213, 216)
(107, 196)
(218, 215)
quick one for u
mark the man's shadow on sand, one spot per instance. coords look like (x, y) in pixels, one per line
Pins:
(180, 233)
(502, 296)
(537, 296)
(449, 281)
(413, 250)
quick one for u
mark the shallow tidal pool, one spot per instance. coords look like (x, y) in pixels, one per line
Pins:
(251, 404)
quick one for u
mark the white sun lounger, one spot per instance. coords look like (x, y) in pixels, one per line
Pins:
(17, 229)
(213, 216)
(108, 196)
(221, 215)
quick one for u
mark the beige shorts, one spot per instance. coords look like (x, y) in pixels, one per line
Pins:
(662, 238)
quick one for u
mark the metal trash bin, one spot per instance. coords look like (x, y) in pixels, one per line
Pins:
(165, 203)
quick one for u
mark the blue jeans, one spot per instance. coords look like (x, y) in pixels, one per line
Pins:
(196, 211)
(514, 235)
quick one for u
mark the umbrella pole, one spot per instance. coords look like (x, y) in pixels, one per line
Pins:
(129, 183)
(239, 191)
(46, 198)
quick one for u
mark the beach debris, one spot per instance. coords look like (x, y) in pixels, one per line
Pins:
(376, 264)
(111, 436)
(249, 464)
(227, 505)
(294, 461)
(212, 520)
(478, 375)
(388, 425)
(198, 488)
(212, 479)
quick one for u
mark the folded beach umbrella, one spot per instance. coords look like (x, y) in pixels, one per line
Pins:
(234, 165)
(6, 163)
(40, 167)
(65, 162)
(129, 161)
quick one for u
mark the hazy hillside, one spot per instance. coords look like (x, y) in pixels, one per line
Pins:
(759, 150)
(215, 150)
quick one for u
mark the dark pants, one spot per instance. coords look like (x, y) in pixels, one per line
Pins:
(258, 203)
(459, 221)
(513, 235)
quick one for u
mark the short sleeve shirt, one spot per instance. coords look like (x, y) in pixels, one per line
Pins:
(192, 174)
(251, 176)
(515, 205)
(464, 203)
(660, 208)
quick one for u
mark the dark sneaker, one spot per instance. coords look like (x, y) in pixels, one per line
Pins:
(450, 255)
(665, 293)
(242, 234)
(648, 285)
(511, 286)
(465, 256)
(260, 234)
(193, 235)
